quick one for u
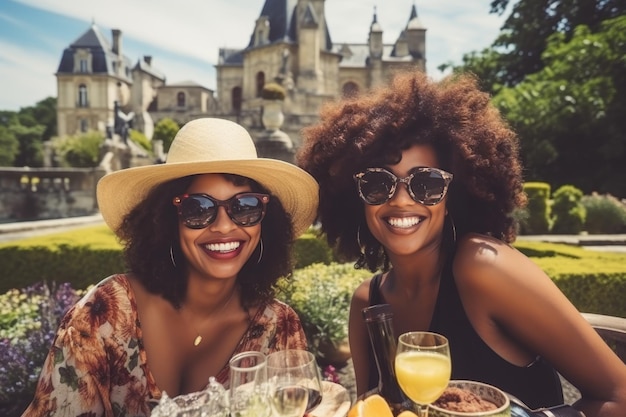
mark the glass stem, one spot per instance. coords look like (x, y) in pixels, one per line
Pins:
(422, 411)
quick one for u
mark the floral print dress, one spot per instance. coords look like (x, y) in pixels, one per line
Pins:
(97, 366)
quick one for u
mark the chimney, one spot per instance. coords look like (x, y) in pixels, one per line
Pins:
(147, 59)
(117, 41)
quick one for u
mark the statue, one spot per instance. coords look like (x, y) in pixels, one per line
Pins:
(122, 122)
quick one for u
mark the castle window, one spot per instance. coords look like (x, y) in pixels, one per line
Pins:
(236, 99)
(84, 125)
(350, 89)
(181, 99)
(83, 65)
(260, 82)
(82, 96)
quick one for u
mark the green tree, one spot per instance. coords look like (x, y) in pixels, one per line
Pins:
(518, 49)
(570, 114)
(9, 147)
(43, 113)
(30, 145)
(165, 130)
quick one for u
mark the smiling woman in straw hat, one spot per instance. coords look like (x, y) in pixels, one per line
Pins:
(206, 235)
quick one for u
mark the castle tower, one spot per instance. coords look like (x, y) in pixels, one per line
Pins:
(416, 38)
(376, 52)
(310, 27)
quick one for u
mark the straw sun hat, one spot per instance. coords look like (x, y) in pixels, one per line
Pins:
(209, 146)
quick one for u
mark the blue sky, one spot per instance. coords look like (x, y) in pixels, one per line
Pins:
(184, 36)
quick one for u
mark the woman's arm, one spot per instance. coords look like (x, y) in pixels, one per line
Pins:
(520, 313)
(359, 338)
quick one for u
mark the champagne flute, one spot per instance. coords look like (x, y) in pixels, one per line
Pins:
(295, 382)
(423, 367)
(248, 385)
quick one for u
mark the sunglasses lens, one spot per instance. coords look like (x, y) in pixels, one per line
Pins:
(246, 210)
(197, 211)
(428, 187)
(376, 187)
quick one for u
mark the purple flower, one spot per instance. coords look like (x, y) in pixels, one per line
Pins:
(330, 374)
(23, 359)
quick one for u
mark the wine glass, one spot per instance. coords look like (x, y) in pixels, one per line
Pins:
(423, 367)
(248, 385)
(294, 382)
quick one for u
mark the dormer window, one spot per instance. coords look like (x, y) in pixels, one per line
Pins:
(262, 31)
(82, 61)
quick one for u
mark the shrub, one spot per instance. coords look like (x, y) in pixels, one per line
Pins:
(28, 322)
(605, 214)
(321, 295)
(165, 130)
(273, 91)
(80, 151)
(141, 140)
(310, 249)
(568, 213)
(537, 220)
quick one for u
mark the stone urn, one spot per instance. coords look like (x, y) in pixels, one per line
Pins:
(273, 116)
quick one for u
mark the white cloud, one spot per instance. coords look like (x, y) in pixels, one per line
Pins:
(25, 74)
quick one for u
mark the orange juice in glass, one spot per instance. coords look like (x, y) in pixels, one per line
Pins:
(423, 367)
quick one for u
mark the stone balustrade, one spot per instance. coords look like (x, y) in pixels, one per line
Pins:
(47, 193)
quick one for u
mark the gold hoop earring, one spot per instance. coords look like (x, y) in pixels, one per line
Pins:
(358, 240)
(258, 261)
(172, 256)
(453, 228)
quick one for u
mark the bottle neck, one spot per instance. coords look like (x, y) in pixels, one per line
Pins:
(379, 321)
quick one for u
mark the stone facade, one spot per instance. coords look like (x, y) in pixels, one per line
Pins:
(290, 44)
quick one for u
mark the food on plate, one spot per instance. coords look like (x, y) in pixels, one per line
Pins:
(458, 399)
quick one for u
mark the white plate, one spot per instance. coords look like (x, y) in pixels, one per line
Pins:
(335, 401)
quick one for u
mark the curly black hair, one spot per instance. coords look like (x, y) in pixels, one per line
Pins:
(150, 231)
(470, 138)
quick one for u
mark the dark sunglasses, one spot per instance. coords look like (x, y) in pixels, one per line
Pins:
(197, 211)
(426, 185)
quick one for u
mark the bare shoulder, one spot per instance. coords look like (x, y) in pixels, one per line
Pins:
(477, 251)
(361, 294)
(482, 258)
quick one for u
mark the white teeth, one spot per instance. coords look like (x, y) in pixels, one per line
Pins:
(223, 247)
(403, 222)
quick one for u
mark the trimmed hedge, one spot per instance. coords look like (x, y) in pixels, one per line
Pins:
(537, 218)
(594, 281)
(85, 256)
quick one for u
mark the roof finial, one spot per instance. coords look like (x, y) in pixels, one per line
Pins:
(375, 19)
(414, 10)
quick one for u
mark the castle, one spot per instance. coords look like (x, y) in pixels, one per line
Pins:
(290, 44)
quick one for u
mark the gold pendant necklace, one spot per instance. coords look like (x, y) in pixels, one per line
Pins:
(198, 338)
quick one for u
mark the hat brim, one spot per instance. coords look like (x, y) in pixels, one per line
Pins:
(120, 191)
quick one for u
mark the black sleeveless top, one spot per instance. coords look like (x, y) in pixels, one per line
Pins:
(537, 384)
